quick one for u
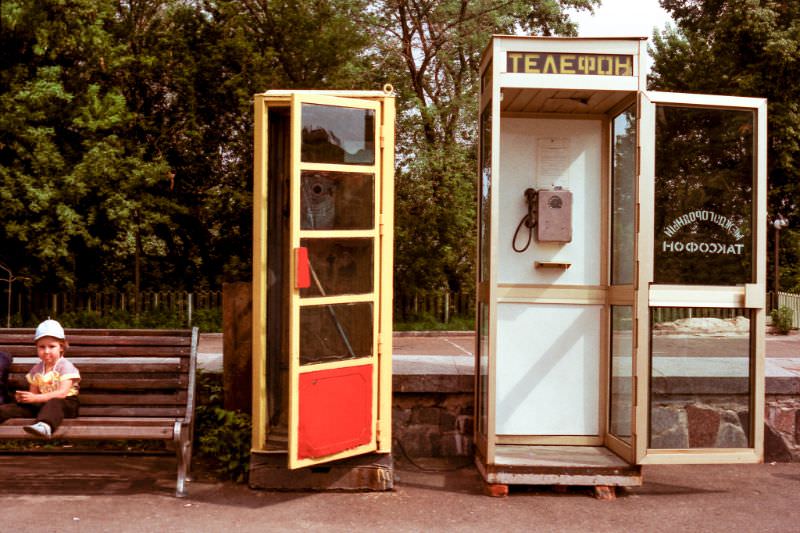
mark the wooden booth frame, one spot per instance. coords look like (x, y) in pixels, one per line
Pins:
(371, 369)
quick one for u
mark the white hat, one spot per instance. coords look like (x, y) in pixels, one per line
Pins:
(49, 328)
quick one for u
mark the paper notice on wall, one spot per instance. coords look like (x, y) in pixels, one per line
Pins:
(552, 162)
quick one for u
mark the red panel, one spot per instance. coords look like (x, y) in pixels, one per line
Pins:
(302, 279)
(335, 410)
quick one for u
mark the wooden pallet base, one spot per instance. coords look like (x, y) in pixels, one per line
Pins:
(558, 466)
(372, 472)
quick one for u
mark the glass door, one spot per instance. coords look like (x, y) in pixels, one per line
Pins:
(624, 151)
(333, 247)
(700, 293)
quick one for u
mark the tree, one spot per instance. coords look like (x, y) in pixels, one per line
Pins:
(430, 51)
(65, 159)
(744, 48)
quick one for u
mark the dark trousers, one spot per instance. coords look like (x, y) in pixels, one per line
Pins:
(5, 367)
(53, 412)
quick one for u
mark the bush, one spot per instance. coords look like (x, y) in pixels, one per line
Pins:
(222, 437)
(208, 320)
(782, 319)
(427, 322)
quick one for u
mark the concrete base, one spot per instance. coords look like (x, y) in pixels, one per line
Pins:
(371, 472)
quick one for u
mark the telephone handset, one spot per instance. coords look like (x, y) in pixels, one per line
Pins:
(529, 220)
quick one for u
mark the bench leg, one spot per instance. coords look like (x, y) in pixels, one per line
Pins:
(183, 452)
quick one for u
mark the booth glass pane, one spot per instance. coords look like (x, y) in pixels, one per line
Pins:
(485, 193)
(336, 200)
(704, 196)
(340, 135)
(621, 408)
(700, 378)
(483, 368)
(623, 200)
(339, 266)
(335, 332)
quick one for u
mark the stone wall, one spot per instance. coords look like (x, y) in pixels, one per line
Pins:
(433, 417)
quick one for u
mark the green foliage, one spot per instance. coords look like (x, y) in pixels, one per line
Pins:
(222, 437)
(782, 319)
(126, 127)
(207, 320)
(430, 52)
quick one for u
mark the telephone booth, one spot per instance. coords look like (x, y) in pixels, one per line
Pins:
(322, 289)
(621, 269)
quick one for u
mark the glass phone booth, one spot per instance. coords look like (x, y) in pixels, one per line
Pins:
(621, 268)
(322, 289)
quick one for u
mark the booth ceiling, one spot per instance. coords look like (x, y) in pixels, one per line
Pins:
(560, 101)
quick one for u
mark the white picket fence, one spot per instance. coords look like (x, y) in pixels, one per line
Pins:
(792, 301)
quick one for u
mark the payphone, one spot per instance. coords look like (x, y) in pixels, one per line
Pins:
(610, 219)
(322, 289)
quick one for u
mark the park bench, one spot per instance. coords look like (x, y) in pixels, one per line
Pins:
(135, 385)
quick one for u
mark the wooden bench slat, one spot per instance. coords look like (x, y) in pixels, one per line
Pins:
(142, 412)
(133, 399)
(106, 351)
(95, 432)
(101, 421)
(21, 369)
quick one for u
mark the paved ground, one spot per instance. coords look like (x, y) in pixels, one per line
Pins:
(134, 494)
(463, 343)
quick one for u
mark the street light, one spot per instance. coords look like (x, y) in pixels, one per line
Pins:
(10, 279)
(779, 223)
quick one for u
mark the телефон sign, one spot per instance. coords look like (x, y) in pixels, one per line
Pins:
(558, 63)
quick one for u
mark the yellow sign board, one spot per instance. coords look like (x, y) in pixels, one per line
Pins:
(558, 63)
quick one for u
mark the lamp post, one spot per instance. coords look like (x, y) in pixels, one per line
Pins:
(779, 223)
(10, 279)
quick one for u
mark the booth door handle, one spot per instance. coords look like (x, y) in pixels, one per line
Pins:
(302, 274)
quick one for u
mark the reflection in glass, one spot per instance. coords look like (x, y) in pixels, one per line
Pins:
(339, 266)
(621, 409)
(700, 370)
(335, 332)
(483, 366)
(336, 200)
(485, 193)
(338, 135)
(623, 199)
(704, 196)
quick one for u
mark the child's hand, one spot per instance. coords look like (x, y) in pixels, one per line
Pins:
(24, 396)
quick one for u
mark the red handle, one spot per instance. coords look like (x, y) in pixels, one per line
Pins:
(302, 278)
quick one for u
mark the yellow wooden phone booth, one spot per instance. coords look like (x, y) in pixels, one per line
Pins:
(322, 289)
(621, 269)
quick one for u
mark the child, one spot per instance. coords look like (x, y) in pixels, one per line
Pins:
(53, 384)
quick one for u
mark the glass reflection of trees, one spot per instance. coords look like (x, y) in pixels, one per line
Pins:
(337, 135)
(485, 192)
(704, 165)
(623, 201)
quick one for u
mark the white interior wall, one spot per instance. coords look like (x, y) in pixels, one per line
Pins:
(548, 366)
(521, 140)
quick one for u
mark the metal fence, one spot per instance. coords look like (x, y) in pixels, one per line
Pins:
(25, 304)
(440, 306)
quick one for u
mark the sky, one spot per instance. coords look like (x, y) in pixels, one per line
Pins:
(622, 18)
